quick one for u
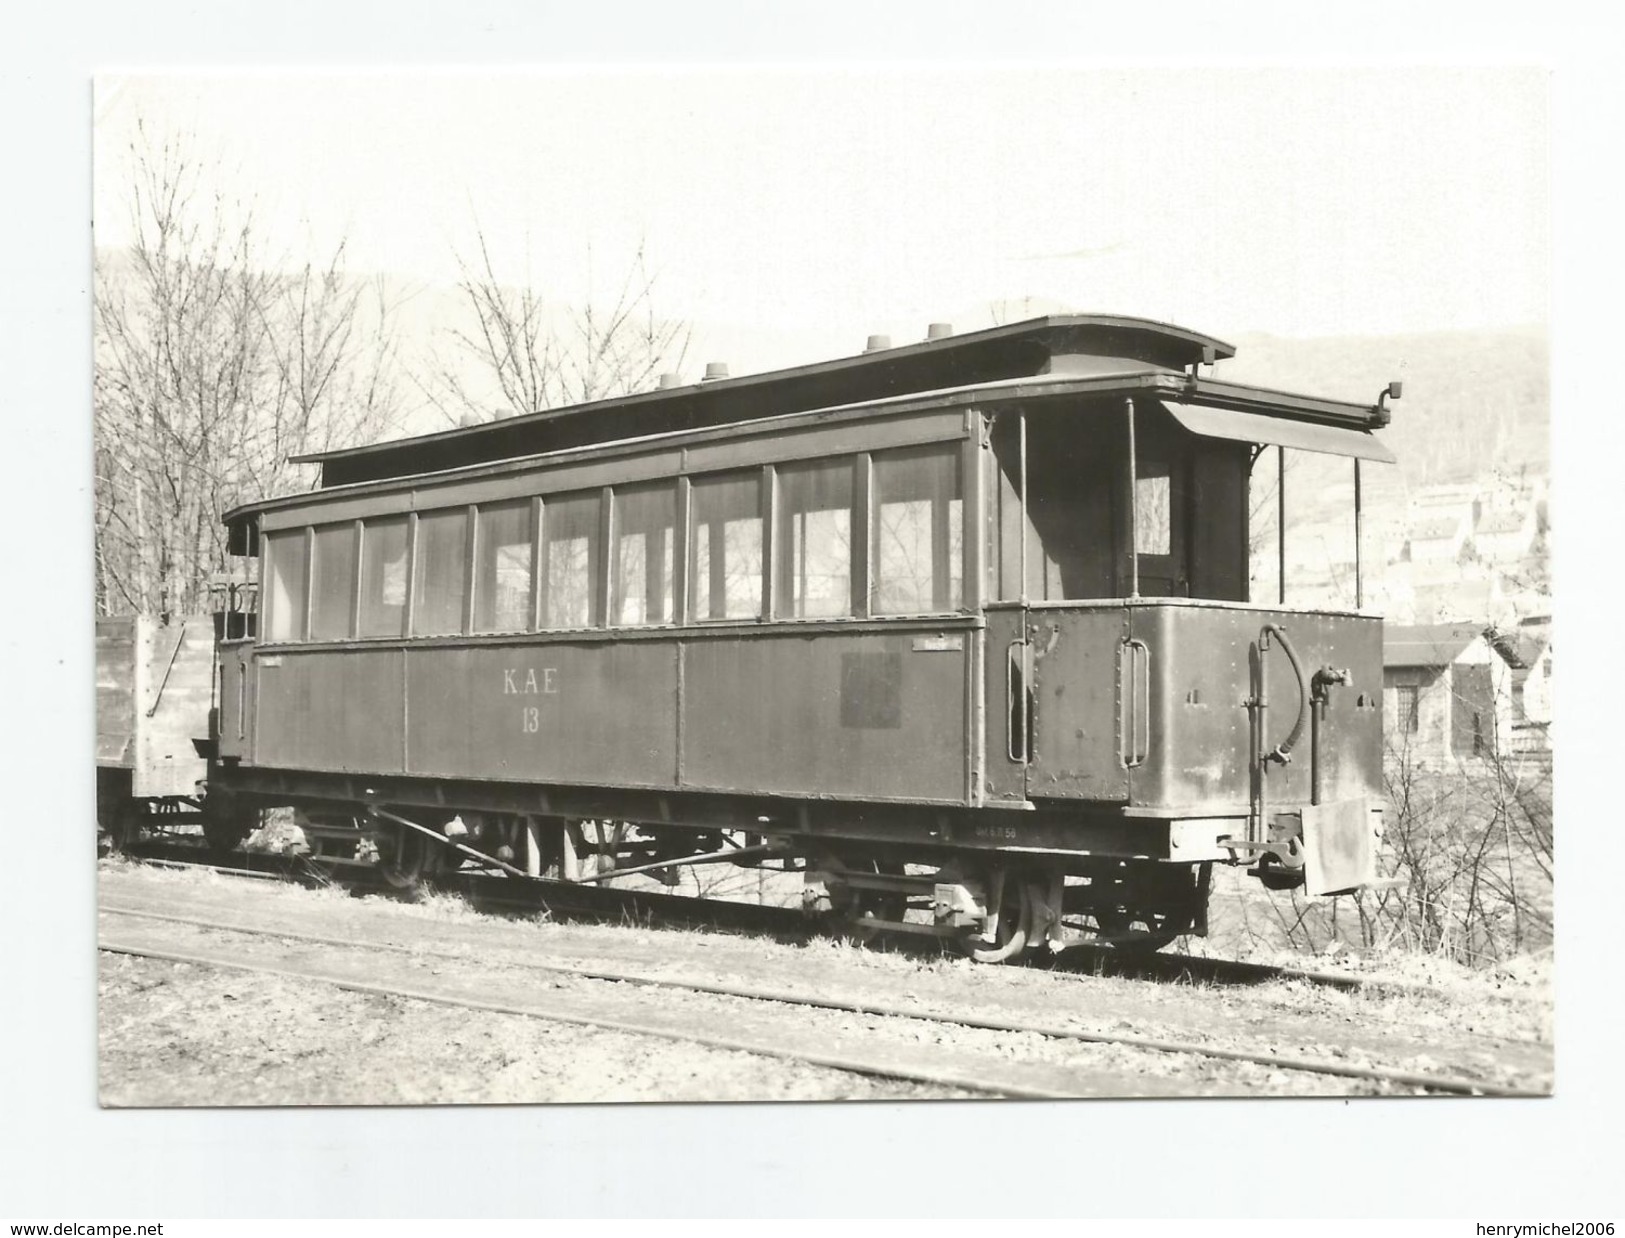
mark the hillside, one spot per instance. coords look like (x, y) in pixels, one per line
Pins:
(1474, 403)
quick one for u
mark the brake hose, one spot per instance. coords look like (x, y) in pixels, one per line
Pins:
(1283, 751)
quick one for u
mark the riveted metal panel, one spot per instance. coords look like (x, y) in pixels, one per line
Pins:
(567, 712)
(779, 712)
(1077, 711)
(1201, 681)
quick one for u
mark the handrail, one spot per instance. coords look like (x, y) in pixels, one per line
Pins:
(1282, 752)
(1136, 704)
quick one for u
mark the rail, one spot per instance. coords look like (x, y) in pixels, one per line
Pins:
(1423, 1081)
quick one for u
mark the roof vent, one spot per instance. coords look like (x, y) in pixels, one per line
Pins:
(668, 381)
(939, 330)
(878, 343)
(715, 370)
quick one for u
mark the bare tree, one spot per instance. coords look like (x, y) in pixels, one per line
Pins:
(1468, 835)
(211, 370)
(527, 355)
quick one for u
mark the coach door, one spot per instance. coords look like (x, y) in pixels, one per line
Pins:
(1008, 701)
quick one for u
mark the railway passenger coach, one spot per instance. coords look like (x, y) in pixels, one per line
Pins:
(960, 628)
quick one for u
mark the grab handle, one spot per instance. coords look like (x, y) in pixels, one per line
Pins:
(1135, 732)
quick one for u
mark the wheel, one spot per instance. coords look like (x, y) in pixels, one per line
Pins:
(119, 827)
(601, 842)
(850, 906)
(1156, 930)
(226, 826)
(1143, 908)
(1011, 932)
(403, 859)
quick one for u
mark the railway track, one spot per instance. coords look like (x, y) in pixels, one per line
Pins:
(865, 1061)
(504, 895)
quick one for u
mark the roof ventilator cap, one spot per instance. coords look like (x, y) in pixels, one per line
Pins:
(715, 370)
(878, 343)
(939, 330)
(668, 381)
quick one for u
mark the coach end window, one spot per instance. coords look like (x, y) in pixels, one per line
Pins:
(1179, 530)
(725, 548)
(916, 551)
(383, 577)
(286, 567)
(813, 541)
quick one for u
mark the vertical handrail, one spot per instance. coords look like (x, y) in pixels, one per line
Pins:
(1133, 505)
(1021, 462)
(1359, 584)
(1142, 706)
(1135, 712)
(1280, 524)
(1134, 742)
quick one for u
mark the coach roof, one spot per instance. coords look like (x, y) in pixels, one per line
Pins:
(1075, 345)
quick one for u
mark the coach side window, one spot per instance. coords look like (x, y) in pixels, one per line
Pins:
(440, 573)
(502, 567)
(725, 563)
(285, 567)
(645, 522)
(383, 576)
(332, 582)
(917, 534)
(571, 551)
(813, 549)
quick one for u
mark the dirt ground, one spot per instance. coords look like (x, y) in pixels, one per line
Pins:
(176, 1034)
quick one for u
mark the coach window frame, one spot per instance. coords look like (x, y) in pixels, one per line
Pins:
(858, 468)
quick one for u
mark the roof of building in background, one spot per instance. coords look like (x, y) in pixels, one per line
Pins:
(1445, 494)
(1512, 520)
(1427, 644)
(1438, 529)
(1467, 600)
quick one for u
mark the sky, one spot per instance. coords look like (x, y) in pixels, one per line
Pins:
(791, 211)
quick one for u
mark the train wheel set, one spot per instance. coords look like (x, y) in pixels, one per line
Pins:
(988, 914)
